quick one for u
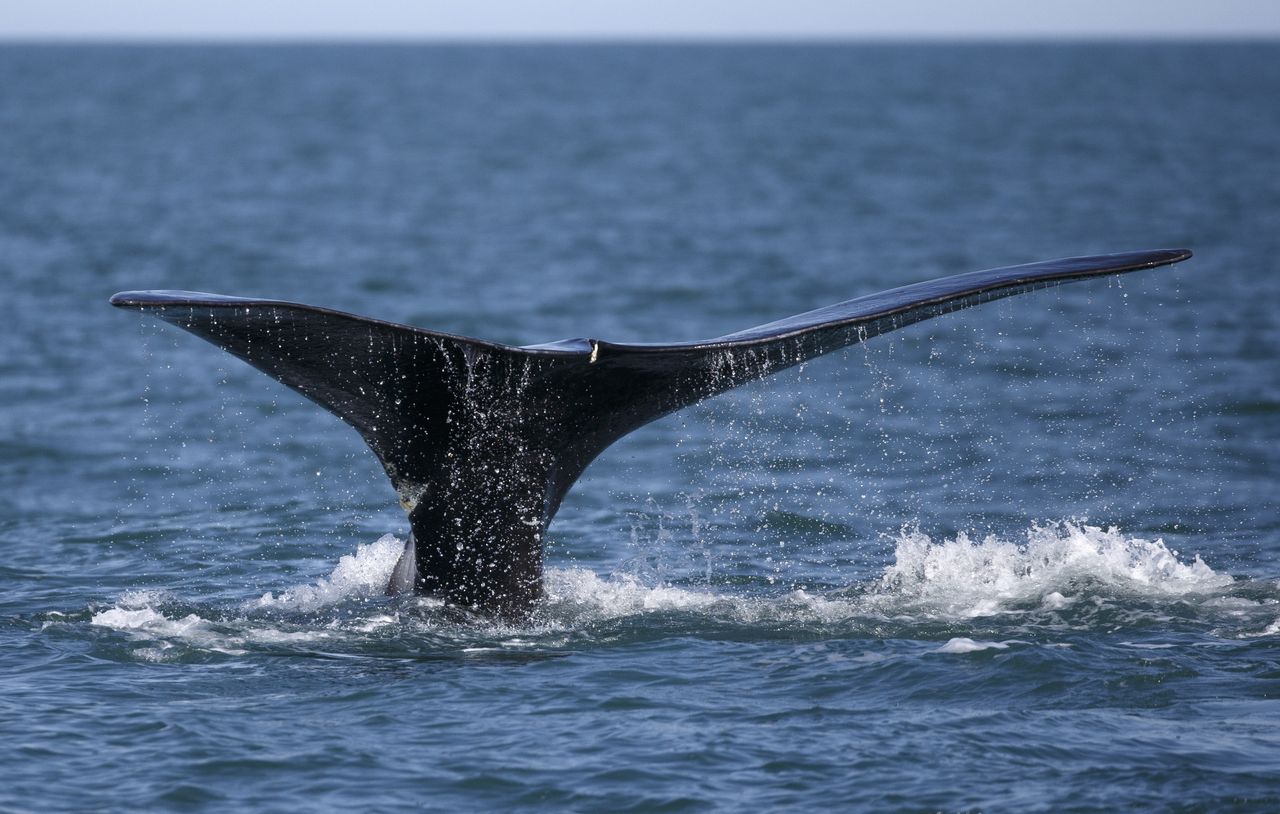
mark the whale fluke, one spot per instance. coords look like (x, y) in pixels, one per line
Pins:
(482, 440)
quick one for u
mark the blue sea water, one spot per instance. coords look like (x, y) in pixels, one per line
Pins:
(1024, 557)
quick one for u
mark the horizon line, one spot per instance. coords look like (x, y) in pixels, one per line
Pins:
(702, 38)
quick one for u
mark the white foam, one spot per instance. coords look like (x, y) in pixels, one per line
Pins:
(1055, 601)
(142, 614)
(966, 579)
(362, 574)
(1272, 629)
(620, 595)
(145, 623)
(960, 644)
(149, 620)
(1052, 569)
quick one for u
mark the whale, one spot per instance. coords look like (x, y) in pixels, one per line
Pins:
(482, 441)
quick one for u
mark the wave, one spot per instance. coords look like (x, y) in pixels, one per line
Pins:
(1056, 562)
(360, 575)
(1066, 575)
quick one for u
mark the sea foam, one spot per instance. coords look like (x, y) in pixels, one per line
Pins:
(1050, 569)
(362, 574)
(1053, 564)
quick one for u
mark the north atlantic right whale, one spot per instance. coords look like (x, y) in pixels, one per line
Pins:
(482, 440)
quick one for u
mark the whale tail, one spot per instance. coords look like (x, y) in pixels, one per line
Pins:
(482, 440)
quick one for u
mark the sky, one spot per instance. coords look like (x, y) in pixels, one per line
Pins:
(635, 19)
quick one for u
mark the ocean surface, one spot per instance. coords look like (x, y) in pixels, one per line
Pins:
(1024, 557)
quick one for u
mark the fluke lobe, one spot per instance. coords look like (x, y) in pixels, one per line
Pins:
(483, 440)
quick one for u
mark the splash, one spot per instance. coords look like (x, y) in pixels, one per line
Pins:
(1066, 567)
(581, 591)
(136, 610)
(1054, 565)
(167, 631)
(363, 574)
(141, 615)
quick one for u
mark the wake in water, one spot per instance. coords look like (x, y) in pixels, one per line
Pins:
(1062, 577)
